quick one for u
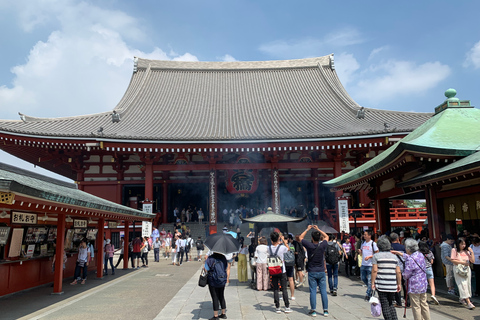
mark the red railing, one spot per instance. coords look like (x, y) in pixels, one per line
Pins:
(369, 214)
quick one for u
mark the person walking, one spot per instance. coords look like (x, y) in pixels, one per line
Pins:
(242, 262)
(316, 267)
(299, 261)
(475, 246)
(446, 251)
(109, 251)
(463, 257)
(216, 268)
(386, 277)
(416, 276)
(200, 247)
(156, 249)
(368, 248)
(348, 257)
(144, 252)
(188, 246)
(290, 269)
(277, 249)
(136, 253)
(180, 245)
(400, 248)
(332, 258)
(261, 255)
(120, 258)
(425, 250)
(82, 263)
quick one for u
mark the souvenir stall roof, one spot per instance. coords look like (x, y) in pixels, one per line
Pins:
(28, 183)
(452, 132)
(175, 101)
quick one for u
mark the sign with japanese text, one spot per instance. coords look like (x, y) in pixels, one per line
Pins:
(16, 243)
(146, 228)
(23, 218)
(77, 223)
(343, 216)
(147, 207)
(112, 224)
(4, 231)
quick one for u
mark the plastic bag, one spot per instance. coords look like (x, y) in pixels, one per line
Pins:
(375, 307)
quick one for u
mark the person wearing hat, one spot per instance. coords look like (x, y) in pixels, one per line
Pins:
(109, 251)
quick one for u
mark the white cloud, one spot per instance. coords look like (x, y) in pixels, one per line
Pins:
(311, 47)
(83, 67)
(473, 56)
(346, 65)
(227, 58)
(394, 78)
(376, 51)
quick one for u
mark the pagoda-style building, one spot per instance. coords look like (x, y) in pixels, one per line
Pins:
(216, 135)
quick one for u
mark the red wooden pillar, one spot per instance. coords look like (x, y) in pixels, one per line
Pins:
(60, 247)
(149, 181)
(213, 199)
(101, 225)
(165, 202)
(80, 179)
(275, 190)
(126, 240)
(436, 224)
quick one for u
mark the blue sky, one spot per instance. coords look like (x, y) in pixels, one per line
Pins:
(67, 57)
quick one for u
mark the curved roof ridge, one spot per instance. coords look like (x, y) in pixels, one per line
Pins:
(26, 118)
(131, 95)
(232, 65)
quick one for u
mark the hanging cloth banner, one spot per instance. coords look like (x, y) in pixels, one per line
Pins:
(242, 180)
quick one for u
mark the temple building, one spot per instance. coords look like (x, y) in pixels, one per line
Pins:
(217, 135)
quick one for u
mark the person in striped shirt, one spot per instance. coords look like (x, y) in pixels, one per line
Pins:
(386, 277)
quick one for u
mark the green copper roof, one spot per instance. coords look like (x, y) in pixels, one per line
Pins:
(472, 162)
(451, 132)
(31, 184)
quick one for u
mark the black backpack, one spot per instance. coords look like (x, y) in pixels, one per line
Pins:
(199, 245)
(332, 256)
(188, 246)
(217, 275)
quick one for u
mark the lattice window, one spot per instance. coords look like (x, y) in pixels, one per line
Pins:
(6, 197)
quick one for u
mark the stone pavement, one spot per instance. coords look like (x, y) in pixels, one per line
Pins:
(194, 302)
(163, 291)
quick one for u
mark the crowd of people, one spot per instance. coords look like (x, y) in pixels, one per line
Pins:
(386, 264)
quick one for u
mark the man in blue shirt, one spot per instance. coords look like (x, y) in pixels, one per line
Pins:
(316, 267)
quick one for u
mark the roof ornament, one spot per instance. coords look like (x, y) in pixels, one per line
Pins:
(332, 62)
(135, 64)
(361, 113)
(22, 117)
(99, 132)
(452, 102)
(115, 117)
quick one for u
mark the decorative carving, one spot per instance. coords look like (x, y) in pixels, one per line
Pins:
(7, 197)
(276, 192)
(213, 213)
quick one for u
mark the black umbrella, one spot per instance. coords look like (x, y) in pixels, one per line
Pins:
(222, 243)
(327, 229)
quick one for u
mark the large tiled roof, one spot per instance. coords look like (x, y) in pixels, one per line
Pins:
(228, 101)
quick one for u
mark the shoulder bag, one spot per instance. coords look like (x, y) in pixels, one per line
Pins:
(203, 280)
